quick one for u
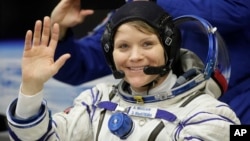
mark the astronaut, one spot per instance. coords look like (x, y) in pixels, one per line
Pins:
(165, 91)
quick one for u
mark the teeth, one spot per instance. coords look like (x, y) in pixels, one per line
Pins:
(136, 68)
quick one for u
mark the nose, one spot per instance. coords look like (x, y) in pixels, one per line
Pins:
(136, 54)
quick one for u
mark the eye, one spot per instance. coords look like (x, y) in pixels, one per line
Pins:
(148, 44)
(122, 46)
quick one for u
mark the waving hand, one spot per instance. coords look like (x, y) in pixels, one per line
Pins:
(38, 63)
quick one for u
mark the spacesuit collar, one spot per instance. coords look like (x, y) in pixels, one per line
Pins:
(161, 92)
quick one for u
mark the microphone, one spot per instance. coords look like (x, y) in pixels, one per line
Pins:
(161, 70)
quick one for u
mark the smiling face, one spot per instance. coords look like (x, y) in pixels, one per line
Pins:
(136, 47)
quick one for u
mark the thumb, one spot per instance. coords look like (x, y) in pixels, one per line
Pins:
(84, 13)
(61, 61)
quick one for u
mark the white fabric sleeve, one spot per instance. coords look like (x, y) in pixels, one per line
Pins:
(28, 106)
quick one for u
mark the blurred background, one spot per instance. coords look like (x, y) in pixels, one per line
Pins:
(16, 17)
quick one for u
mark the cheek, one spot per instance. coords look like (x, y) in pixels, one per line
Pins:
(159, 58)
(118, 58)
(162, 59)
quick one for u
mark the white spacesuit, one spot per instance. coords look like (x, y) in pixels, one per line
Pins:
(163, 120)
(158, 116)
(183, 107)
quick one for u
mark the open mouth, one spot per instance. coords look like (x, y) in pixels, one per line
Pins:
(135, 69)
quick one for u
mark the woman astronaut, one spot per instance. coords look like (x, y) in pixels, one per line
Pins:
(165, 92)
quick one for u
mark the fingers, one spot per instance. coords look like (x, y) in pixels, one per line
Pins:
(37, 33)
(28, 40)
(42, 33)
(53, 44)
(54, 36)
(46, 31)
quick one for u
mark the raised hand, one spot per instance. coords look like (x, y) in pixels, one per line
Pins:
(38, 64)
(68, 13)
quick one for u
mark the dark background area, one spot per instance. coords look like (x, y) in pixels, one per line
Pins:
(17, 16)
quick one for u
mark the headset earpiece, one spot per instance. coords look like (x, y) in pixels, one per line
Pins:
(108, 47)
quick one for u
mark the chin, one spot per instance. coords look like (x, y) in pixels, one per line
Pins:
(137, 83)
